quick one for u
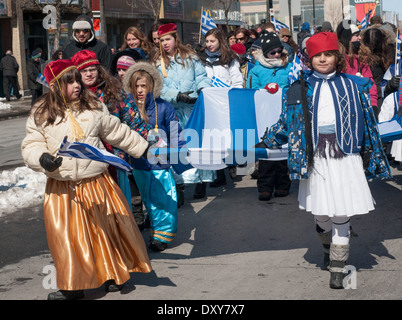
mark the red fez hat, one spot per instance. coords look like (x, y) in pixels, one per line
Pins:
(238, 48)
(167, 29)
(55, 69)
(85, 58)
(320, 42)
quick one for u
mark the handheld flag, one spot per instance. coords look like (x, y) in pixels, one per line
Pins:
(207, 23)
(85, 151)
(365, 22)
(218, 83)
(278, 25)
(42, 80)
(294, 71)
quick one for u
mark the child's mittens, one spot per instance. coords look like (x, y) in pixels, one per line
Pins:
(49, 162)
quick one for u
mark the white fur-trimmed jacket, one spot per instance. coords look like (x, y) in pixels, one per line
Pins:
(97, 125)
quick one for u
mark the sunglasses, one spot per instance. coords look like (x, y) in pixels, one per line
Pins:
(240, 39)
(272, 53)
(82, 30)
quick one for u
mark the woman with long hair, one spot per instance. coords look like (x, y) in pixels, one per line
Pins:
(184, 77)
(358, 56)
(378, 40)
(134, 38)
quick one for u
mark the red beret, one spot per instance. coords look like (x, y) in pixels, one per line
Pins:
(55, 69)
(320, 42)
(238, 48)
(167, 29)
(84, 58)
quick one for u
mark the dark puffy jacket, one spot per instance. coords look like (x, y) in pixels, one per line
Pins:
(33, 69)
(101, 49)
(9, 66)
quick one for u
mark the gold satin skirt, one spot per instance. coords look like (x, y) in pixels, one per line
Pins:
(91, 233)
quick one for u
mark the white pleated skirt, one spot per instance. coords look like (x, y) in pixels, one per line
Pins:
(396, 150)
(336, 187)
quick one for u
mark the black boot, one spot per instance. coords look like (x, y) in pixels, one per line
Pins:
(220, 179)
(338, 255)
(180, 194)
(326, 239)
(66, 295)
(157, 245)
(200, 190)
(112, 286)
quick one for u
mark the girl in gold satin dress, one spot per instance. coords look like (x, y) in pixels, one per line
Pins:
(91, 232)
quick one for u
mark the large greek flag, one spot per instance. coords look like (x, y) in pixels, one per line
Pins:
(206, 23)
(85, 151)
(226, 124)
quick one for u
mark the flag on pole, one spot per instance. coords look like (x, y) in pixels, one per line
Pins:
(366, 20)
(206, 23)
(218, 83)
(85, 151)
(294, 70)
(278, 25)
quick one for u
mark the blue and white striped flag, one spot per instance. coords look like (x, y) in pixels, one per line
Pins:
(278, 25)
(365, 22)
(294, 71)
(41, 80)
(226, 124)
(206, 23)
(398, 50)
(218, 83)
(85, 151)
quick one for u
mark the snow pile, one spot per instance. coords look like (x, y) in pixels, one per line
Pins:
(5, 106)
(20, 188)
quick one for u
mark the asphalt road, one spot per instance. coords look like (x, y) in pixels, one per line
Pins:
(229, 246)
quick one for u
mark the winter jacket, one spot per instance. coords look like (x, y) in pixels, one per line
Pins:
(163, 114)
(101, 49)
(364, 71)
(229, 74)
(267, 71)
(183, 78)
(9, 66)
(97, 125)
(33, 69)
(356, 131)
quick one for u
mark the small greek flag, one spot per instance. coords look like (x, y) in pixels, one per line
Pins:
(294, 71)
(206, 23)
(365, 22)
(278, 25)
(398, 49)
(41, 80)
(86, 151)
(217, 83)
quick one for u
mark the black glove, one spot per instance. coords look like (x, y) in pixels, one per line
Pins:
(392, 85)
(50, 163)
(184, 97)
(260, 145)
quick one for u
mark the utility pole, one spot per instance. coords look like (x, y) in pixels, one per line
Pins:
(268, 2)
(290, 16)
(102, 20)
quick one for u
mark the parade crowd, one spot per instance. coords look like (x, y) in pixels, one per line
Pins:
(124, 101)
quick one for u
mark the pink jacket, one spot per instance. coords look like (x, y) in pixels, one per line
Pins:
(364, 71)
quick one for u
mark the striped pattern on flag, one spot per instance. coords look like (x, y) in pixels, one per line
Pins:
(41, 80)
(206, 23)
(294, 71)
(278, 25)
(218, 83)
(85, 151)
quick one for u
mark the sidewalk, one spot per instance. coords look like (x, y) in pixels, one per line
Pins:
(18, 108)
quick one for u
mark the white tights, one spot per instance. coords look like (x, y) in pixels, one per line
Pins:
(340, 227)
